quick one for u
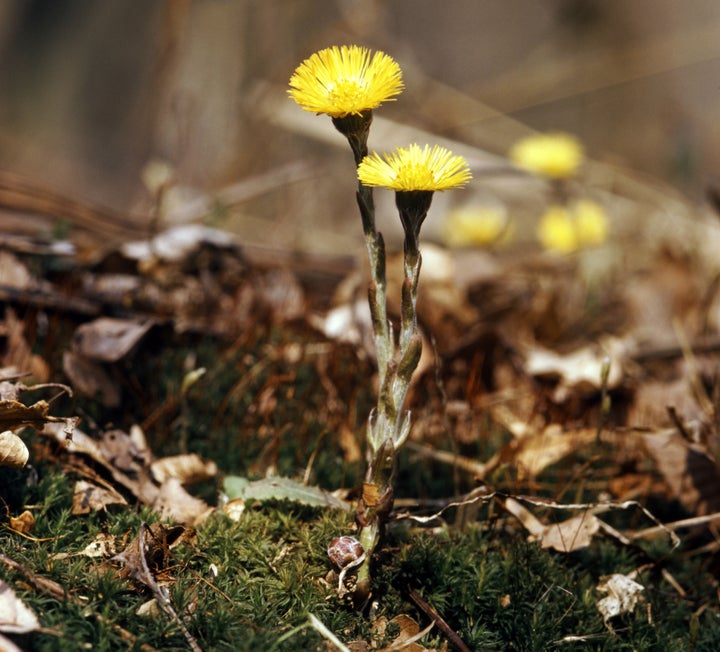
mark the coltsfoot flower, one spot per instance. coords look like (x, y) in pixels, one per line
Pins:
(345, 80)
(414, 174)
(566, 229)
(556, 230)
(476, 226)
(591, 221)
(411, 169)
(553, 155)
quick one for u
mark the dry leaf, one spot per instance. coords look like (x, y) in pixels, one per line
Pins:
(13, 451)
(24, 523)
(174, 503)
(103, 545)
(572, 534)
(15, 616)
(14, 414)
(188, 469)
(89, 497)
(13, 273)
(622, 595)
(89, 378)
(536, 452)
(689, 471)
(580, 371)
(566, 536)
(108, 339)
(158, 540)
(18, 353)
(234, 509)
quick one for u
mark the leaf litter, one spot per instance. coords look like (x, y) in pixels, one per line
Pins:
(511, 355)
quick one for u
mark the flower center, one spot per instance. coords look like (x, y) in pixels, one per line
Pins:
(347, 91)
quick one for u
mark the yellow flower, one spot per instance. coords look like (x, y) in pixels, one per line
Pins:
(410, 169)
(556, 230)
(345, 80)
(477, 226)
(591, 222)
(553, 155)
(564, 230)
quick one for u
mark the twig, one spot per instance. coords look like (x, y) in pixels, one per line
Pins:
(161, 593)
(428, 610)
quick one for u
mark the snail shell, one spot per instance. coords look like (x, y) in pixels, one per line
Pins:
(345, 552)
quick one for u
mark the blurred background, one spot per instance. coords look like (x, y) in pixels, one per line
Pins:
(91, 93)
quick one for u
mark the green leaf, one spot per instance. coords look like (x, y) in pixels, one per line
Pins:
(281, 489)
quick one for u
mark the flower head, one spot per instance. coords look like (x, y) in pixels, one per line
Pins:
(553, 155)
(345, 80)
(410, 169)
(591, 222)
(556, 230)
(566, 229)
(476, 226)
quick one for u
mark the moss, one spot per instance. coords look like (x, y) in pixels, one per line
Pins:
(258, 408)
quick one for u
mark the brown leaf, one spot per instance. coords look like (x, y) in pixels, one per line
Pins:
(14, 414)
(108, 339)
(689, 471)
(89, 497)
(152, 557)
(188, 469)
(90, 379)
(175, 503)
(13, 451)
(536, 452)
(24, 524)
(571, 534)
(19, 353)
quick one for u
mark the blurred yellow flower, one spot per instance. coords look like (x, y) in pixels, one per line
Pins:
(412, 168)
(556, 230)
(591, 222)
(345, 80)
(566, 229)
(553, 155)
(475, 226)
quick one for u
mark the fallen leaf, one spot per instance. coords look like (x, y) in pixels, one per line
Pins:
(622, 595)
(89, 497)
(15, 616)
(175, 503)
(571, 534)
(24, 524)
(103, 545)
(14, 414)
(108, 339)
(580, 371)
(13, 452)
(533, 453)
(90, 379)
(690, 472)
(158, 540)
(188, 469)
(234, 509)
(568, 535)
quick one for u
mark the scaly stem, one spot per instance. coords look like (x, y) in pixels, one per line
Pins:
(388, 425)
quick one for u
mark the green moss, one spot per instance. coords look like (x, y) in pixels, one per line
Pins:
(257, 408)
